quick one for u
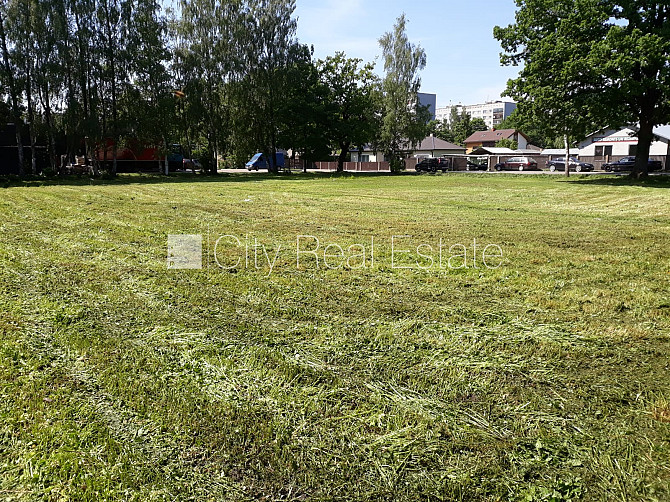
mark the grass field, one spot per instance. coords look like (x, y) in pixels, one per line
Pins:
(547, 378)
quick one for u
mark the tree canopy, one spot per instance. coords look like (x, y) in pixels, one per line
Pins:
(404, 118)
(590, 64)
(457, 128)
(224, 80)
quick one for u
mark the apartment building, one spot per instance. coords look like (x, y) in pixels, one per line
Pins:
(491, 112)
(429, 100)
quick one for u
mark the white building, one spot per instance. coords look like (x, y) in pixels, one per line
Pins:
(613, 144)
(491, 112)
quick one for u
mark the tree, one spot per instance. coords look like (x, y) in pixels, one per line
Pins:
(459, 127)
(636, 67)
(507, 143)
(304, 111)
(352, 102)
(210, 38)
(269, 45)
(591, 64)
(536, 133)
(404, 118)
(153, 108)
(464, 126)
(9, 80)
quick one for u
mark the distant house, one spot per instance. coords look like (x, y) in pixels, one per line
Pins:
(490, 138)
(613, 144)
(429, 147)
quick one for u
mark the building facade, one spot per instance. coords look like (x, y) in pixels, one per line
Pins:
(429, 100)
(491, 112)
(490, 138)
(613, 144)
(429, 147)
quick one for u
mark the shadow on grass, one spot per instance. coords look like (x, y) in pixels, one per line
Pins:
(155, 178)
(661, 180)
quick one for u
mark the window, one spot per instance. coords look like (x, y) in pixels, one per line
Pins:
(603, 151)
(632, 150)
(365, 158)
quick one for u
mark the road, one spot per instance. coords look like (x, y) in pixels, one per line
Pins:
(555, 173)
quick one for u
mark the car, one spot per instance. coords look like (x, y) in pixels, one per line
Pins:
(517, 164)
(473, 166)
(432, 164)
(627, 163)
(193, 164)
(575, 165)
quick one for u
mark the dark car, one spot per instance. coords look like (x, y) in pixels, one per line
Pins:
(517, 164)
(473, 166)
(575, 165)
(627, 163)
(433, 164)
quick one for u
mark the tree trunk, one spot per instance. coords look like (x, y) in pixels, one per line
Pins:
(273, 165)
(167, 165)
(567, 155)
(51, 146)
(112, 68)
(12, 94)
(344, 149)
(31, 117)
(644, 138)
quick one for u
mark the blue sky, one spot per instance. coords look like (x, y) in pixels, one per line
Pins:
(463, 62)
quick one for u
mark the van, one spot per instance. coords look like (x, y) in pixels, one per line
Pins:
(259, 161)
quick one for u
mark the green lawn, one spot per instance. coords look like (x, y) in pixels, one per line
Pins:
(547, 378)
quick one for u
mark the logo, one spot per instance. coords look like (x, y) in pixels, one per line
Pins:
(184, 251)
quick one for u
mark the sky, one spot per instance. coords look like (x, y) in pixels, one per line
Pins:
(463, 62)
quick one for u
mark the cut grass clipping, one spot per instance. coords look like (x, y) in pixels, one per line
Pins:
(545, 378)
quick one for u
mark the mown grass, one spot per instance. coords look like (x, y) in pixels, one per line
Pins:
(544, 379)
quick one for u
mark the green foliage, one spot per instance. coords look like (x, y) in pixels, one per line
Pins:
(352, 102)
(507, 143)
(590, 64)
(556, 88)
(459, 127)
(304, 109)
(404, 118)
(537, 134)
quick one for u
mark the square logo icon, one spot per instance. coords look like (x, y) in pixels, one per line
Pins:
(184, 251)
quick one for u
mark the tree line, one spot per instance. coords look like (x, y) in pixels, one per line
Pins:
(589, 65)
(223, 79)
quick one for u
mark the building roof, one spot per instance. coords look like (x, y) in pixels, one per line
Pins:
(428, 143)
(433, 143)
(494, 150)
(661, 132)
(495, 135)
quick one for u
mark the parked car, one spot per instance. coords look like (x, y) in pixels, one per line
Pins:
(193, 164)
(473, 166)
(432, 164)
(627, 163)
(517, 164)
(575, 165)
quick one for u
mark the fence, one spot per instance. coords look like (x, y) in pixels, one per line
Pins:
(352, 166)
